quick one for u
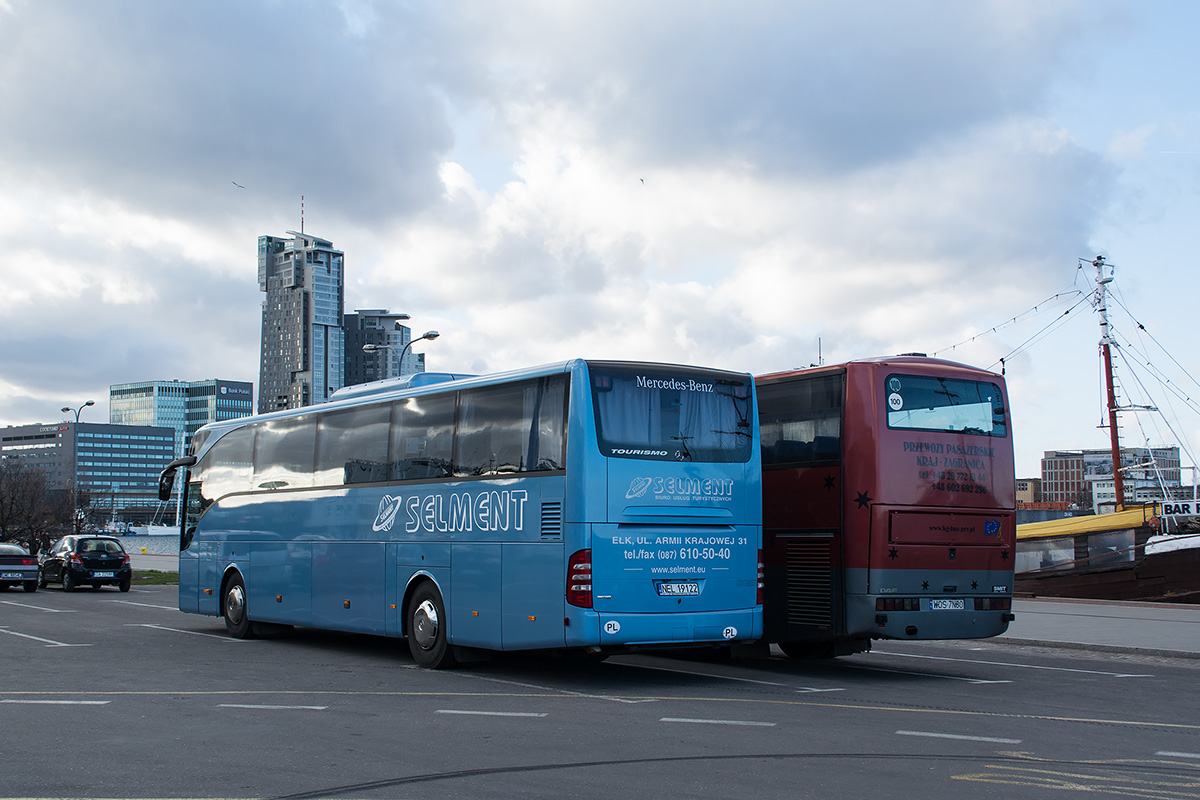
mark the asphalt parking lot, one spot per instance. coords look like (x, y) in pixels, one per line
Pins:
(121, 695)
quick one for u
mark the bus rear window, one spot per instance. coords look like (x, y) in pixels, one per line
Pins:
(683, 416)
(945, 405)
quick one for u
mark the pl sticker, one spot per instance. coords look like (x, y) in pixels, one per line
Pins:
(730, 632)
(612, 626)
(895, 401)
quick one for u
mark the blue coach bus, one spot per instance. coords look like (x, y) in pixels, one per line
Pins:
(586, 505)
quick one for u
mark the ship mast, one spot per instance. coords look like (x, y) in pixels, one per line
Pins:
(1106, 342)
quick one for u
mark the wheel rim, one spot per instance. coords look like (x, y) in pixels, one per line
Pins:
(425, 624)
(235, 604)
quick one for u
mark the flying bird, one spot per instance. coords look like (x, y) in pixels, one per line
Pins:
(235, 183)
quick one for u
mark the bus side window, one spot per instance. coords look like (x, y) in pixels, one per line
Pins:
(284, 452)
(422, 437)
(801, 420)
(352, 446)
(490, 431)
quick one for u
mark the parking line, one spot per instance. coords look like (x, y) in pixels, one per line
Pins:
(272, 708)
(59, 702)
(702, 674)
(178, 630)
(1020, 666)
(1173, 754)
(718, 722)
(993, 739)
(491, 713)
(39, 608)
(145, 605)
(49, 642)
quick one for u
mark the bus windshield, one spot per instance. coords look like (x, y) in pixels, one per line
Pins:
(947, 405)
(650, 413)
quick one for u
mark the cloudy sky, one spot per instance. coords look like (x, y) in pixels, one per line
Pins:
(752, 185)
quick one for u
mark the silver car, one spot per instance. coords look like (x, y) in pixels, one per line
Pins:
(17, 567)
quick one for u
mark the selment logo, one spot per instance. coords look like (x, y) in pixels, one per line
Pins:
(637, 488)
(388, 508)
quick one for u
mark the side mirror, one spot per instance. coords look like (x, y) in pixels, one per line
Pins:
(166, 481)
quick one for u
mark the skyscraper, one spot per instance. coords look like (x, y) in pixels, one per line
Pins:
(303, 349)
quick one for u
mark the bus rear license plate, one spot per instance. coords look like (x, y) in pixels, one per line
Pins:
(102, 574)
(678, 589)
(946, 605)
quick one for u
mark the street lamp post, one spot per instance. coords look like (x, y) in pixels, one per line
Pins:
(375, 348)
(75, 521)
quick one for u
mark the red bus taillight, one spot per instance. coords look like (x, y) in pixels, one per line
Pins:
(579, 579)
(758, 597)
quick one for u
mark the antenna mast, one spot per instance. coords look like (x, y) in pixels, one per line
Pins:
(1106, 350)
(302, 213)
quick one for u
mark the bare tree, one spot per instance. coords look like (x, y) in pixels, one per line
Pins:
(23, 501)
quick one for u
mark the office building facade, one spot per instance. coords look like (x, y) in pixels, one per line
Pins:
(303, 351)
(111, 470)
(385, 330)
(184, 406)
(1082, 477)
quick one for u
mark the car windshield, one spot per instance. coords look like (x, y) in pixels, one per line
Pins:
(99, 546)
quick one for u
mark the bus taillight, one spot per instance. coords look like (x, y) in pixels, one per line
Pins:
(579, 579)
(758, 597)
(993, 603)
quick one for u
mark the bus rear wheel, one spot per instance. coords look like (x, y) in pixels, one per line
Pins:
(426, 627)
(234, 610)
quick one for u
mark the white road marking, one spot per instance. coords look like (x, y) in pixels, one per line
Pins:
(702, 674)
(491, 713)
(556, 689)
(921, 674)
(1021, 666)
(993, 739)
(718, 722)
(805, 689)
(59, 702)
(1173, 754)
(49, 642)
(145, 605)
(39, 608)
(178, 630)
(271, 707)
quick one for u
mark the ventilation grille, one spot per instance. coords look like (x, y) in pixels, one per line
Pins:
(809, 593)
(551, 519)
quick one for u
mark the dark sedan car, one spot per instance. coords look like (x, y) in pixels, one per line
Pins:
(93, 560)
(17, 567)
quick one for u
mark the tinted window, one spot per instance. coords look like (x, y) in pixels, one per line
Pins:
(690, 415)
(800, 419)
(422, 437)
(226, 467)
(99, 546)
(510, 429)
(946, 405)
(352, 446)
(284, 451)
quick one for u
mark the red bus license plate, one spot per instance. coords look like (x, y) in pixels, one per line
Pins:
(946, 605)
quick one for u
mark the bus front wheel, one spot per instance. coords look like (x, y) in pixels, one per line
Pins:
(233, 608)
(426, 628)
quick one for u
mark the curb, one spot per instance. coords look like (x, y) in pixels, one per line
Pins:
(1100, 648)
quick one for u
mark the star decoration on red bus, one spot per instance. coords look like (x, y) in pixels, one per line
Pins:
(829, 482)
(893, 553)
(863, 499)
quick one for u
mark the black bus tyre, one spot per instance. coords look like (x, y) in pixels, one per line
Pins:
(234, 609)
(68, 582)
(427, 628)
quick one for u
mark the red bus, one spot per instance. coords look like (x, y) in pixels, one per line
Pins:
(889, 500)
